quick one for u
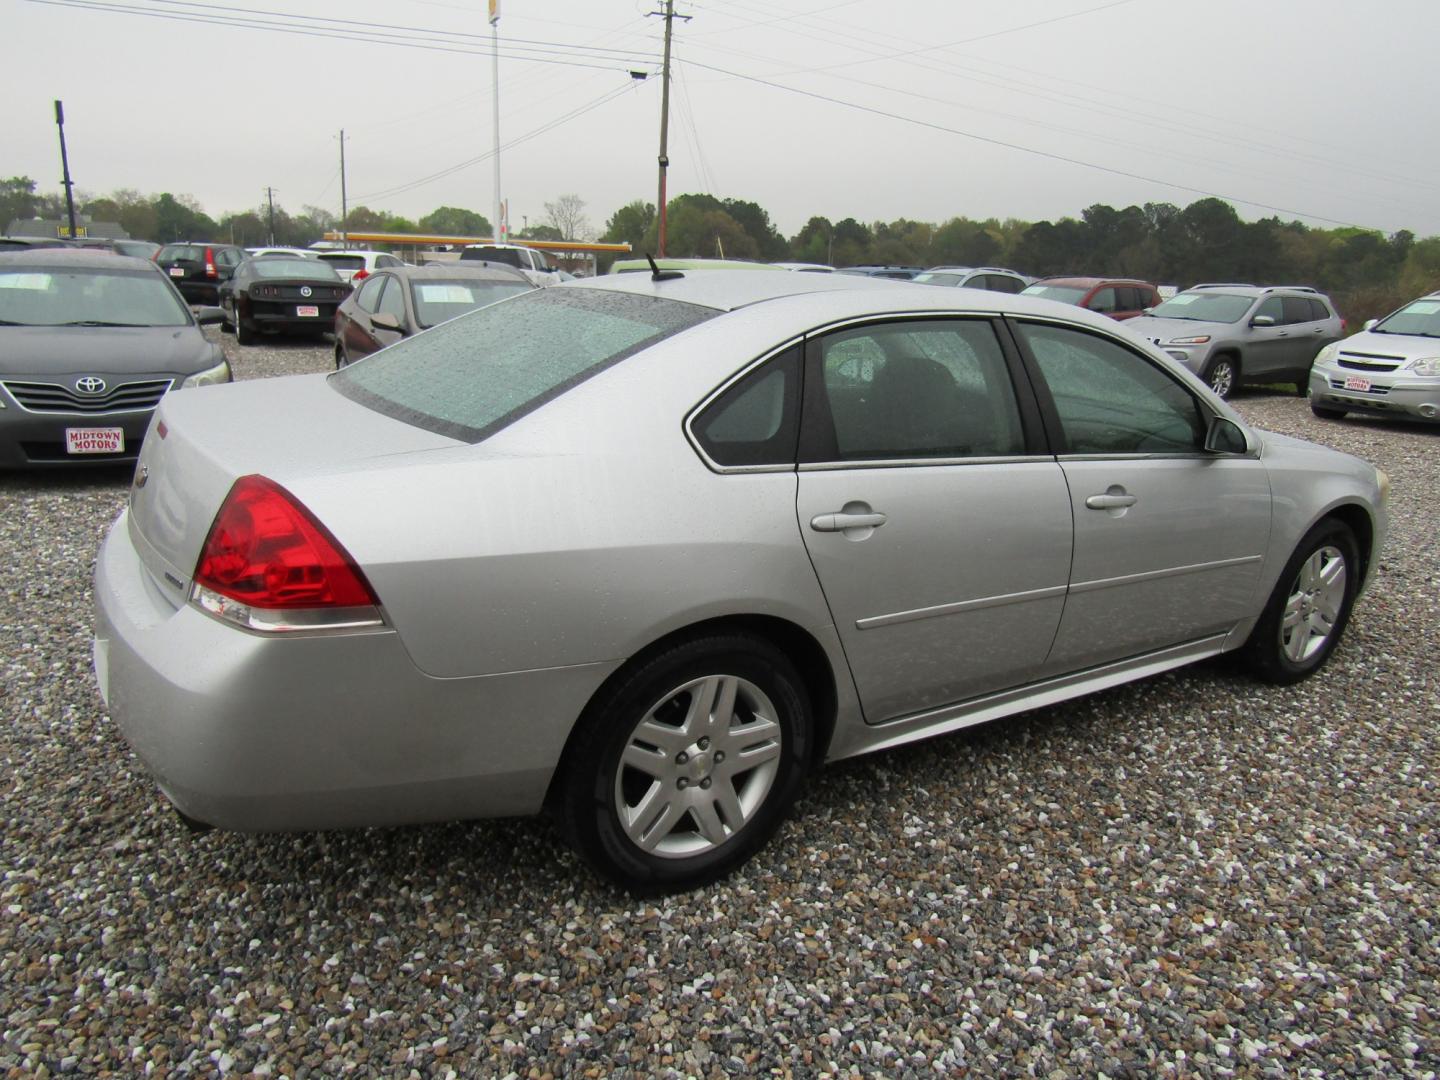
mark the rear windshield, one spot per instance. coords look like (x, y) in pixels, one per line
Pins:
(508, 256)
(939, 279)
(305, 269)
(1066, 294)
(52, 296)
(1419, 319)
(345, 262)
(193, 252)
(441, 301)
(473, 375)
(1204, 307)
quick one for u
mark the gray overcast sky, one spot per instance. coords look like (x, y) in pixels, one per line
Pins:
(1317, 107)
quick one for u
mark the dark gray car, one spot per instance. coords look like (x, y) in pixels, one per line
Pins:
(89, 344)
(1230, 335)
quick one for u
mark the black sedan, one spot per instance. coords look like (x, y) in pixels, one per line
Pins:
(276, 293)
(89, 344)
(398, 302)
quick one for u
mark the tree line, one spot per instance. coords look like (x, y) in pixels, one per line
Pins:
(1367, 272)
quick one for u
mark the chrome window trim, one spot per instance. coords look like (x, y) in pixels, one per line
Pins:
(694, 440)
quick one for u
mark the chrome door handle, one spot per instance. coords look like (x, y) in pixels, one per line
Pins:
(841, 521)
(1110, 502)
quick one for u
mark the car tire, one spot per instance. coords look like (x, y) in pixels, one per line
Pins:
(245, 334)
(1222, 375)
(340, 360)
(1307, 613)
(683, 767)
(1326, 413)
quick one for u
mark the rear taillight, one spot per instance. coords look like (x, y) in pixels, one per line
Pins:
(210, 263)
(1344, 322)
(268, 564)
(360, 275)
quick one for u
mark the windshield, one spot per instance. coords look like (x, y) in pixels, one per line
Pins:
(1067, 294)
(440, 301)
(473, 375)
(928, 278)
(47, 296)
(304, 269)
(1204, 307)
(1420, 318)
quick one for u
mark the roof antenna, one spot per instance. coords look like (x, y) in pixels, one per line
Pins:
(656, 274)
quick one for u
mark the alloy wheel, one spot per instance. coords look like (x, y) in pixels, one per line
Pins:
(1315, 602)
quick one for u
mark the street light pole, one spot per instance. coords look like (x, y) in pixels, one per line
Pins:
(495, 100)
(65, 166)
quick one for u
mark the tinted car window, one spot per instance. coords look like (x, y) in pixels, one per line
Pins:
(369, 295)
(1318, 310)
(1297, 309)
(345, 262)
(471, 376)
(1003, 283)
(392, 300)
(1103, 300)
(1274, 307)
(756, 421)
(917, 390)
(1111, 400)
(193, 252)
(303, 269)
(1068, 294)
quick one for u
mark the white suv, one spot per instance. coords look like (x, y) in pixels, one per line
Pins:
(1391, 368)
(527, 260)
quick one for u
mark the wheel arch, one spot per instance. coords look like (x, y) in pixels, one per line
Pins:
(797, 643)
(1362, 527)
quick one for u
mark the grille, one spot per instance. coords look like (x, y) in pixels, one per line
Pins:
(53, 397)
(1376, 391)
(1362, 365)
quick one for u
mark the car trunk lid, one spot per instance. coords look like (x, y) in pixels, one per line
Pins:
(202, 440)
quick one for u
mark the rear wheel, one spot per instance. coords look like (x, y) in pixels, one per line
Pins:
(1222, 375)
(339, 356)
(245, 334)
(1308, 610)
(685, 767)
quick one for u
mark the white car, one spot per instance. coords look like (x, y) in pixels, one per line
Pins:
(289, 252)
(1391, 368)
(355, 266)
(529, 261)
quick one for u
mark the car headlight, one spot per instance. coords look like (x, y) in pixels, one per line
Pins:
(220, 373)
(1201, 340)
(1328, 353)
(1426, 365)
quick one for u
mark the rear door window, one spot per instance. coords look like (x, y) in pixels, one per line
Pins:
(1103, 301)
(1297, 309)
(368, 298)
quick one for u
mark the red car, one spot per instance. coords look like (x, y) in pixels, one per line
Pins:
(1120, 298)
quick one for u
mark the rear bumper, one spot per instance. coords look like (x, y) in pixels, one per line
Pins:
(279, 732)
(283, 318)
(1414, 399)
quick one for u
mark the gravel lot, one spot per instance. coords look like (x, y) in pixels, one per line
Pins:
(1192, 875)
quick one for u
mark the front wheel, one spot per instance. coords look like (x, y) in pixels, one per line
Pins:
(685, 767)
(1308, 610)
(1327, 414)
(1222, 376)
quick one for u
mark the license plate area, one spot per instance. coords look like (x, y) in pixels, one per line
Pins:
(177, 271)
(307, 311)
(1354, 382)
(100, 440)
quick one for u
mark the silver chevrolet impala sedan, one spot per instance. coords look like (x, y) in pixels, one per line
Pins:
(645, 550)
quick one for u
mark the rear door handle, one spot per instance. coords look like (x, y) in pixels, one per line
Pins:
(1110, 501)
(838, 522)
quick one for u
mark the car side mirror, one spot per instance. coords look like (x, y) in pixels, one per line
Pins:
(1225, 437)
(209, 316)
(385, 321)
(1263, 320)
(1370, 324)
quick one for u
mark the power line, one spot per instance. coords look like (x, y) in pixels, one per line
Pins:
(931, 125)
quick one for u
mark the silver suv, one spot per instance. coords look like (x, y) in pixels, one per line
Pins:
(1235, 334)
(994, 278)
(1391, 368)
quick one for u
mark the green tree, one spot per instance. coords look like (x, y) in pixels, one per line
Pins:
(455, 221)
(544, 232)
(962, 242)
(180, 218)
(363, 219)
(17, 199)
(629, 224)
(812, 243)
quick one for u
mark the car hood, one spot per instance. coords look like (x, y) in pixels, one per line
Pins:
(85, 350)
(1150, 328)
(294, 430)
(1368, 345)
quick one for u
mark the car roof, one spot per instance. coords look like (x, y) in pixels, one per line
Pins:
(1088, 282)
(727, 290)
(1237, 289)
(455, 271)
(74, 258)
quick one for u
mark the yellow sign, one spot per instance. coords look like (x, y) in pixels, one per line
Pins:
(63, 232)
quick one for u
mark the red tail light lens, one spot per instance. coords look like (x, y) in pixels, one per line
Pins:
(210, 263)
(268, 564)
(360, 275)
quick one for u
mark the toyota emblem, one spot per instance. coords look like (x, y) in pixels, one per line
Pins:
(305, 290)
(90, 384)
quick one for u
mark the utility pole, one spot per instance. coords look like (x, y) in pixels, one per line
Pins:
(495, 100)
(344, 204)
(669, 16)
(270, 197)
(65, 165)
